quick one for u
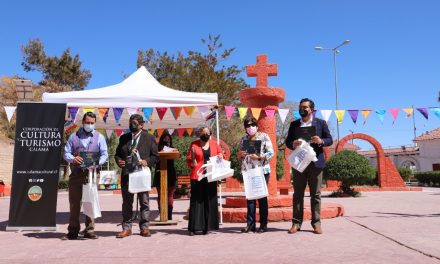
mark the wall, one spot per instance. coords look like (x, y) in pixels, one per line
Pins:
(6, 158)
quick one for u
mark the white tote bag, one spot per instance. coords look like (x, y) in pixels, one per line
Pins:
(140, 180)
(215, 170)
(255, 185)
(302, 156)
(108, 177)
(90, 200)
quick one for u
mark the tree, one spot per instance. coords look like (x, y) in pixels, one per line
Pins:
(59, 73)
(350, 168)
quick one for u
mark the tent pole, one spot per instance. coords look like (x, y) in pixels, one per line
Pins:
(220, 185)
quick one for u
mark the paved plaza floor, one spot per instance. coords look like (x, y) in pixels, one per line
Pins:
(379, 227)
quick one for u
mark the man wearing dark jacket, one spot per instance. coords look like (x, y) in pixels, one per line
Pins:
(141, 142)
(313, 173)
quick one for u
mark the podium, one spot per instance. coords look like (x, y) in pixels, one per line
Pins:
(164, 157)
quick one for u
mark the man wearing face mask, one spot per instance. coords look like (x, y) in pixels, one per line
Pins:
(312, 175)
(141, 142)
(86, 139)
(250, 161)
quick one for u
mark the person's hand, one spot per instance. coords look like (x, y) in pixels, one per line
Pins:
(317, 140)
(254, 157)
(193, 163)
(143, 163)
(241, 154)
(77, 160)
(121, 163)
(220, 156)
(296, 143)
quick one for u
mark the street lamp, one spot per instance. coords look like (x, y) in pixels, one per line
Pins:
(335, 52)
(24, 90)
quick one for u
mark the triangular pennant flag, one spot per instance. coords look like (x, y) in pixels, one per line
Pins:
(242, 111)
(189, 110)
(118, 113)
(180, 132)
(394, 112)
(353, 114)
(270, 113)
(10, 112)
(423, 111)
(176, 112)
(365, 113)
(283, 114)
(381, 114)
(119, 131)
(151, 131)
(73, 112)
(103, 114)
(159, 132)
(408, 111)
(340, 115)
(101, 131)
(189, 131)
(131, 111)
(436, 111)
(204, 110)
(256, 112)
(147, 112)
(296, 115)
(109, 133)
(161, 112)
(326, 114)
(170, 131)
(88, 109)
(229, 109)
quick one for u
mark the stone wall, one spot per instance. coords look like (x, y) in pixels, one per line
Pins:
(6, 158)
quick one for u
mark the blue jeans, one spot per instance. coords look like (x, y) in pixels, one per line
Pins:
(252, 209)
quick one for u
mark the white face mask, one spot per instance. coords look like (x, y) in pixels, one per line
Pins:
(251, 130)
(89, 128)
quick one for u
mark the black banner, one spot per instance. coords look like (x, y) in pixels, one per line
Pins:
(37, 154)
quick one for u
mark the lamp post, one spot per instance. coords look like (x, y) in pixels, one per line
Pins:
(24, 90)
(335, 52)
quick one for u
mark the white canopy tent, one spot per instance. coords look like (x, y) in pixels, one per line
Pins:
(139, 90)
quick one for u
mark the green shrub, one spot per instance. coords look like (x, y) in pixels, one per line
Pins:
(236, 164)
(405, 173)
(430, 178)
(182, 144)
(63, 185)
(351, 169)
(280, 164)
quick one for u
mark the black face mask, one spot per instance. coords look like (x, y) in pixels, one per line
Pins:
(303, 112)
(134, 128)
(204, 137)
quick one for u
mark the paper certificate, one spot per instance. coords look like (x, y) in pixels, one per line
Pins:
(89, 159)
(305, 133)
(252, 146)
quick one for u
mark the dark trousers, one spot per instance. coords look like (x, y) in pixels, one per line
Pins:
(76, 182)
(252, 209)
(312, 176)
(127, 208)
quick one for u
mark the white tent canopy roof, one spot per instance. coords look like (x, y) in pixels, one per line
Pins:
(139, 90)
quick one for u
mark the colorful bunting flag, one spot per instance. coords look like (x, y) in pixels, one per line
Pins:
(394, 113)
(180, 132)
(204, 110)
(189, 131)
(408, 111)
(423, 111)
(189, 110)
(242, 111)
(88, 109)
(73, 112)
(296, 114)
(161, 112)
(283, 114)
(109, 133)
(131, 111)
(229, 109)
(147, 112)
(381, 114)
(103, 114)
(326, 114)
(270, 113)
(365, 113)
(436, 111)
(256, 112)
(118, 113)
(170, 131)
(151, 131)
(176, 112)
(119, 131)
(353, 114)
(159, 132)
(340, 115)
(10, 112)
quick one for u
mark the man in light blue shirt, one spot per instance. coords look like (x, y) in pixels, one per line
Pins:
(85, 140)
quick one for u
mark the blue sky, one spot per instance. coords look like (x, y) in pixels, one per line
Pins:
(393, 59)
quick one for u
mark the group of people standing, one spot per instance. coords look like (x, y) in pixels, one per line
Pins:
(140, 149)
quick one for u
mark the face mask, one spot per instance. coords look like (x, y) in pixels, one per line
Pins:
(89, 128)
(251, 130)
(303, 113)
(133, 128)
(204, 137)
(167, 143)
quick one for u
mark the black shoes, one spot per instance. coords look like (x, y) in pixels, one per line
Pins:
(90, 235)
(248, 228)
(70, 236)
(262, 229)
